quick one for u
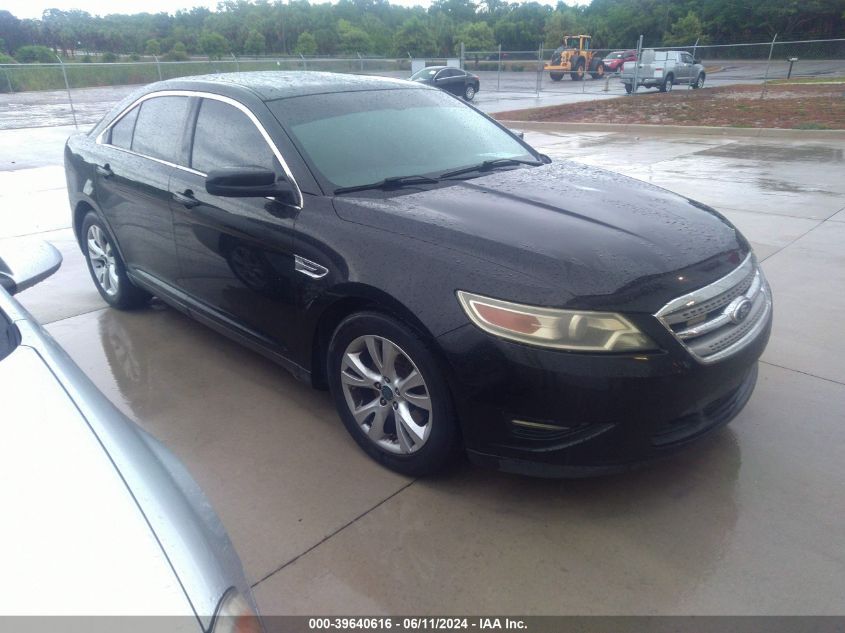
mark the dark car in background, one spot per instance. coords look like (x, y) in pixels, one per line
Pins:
(454, 80)
(614, 61)
(453, 288)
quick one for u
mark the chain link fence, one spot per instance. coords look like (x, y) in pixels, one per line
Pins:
(80, 93)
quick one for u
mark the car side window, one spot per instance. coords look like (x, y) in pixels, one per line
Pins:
(687, 58)
(121, 132)
(226, 137)
(158, 130)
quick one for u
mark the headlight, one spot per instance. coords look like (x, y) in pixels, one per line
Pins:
(236, 615)
(559, 329)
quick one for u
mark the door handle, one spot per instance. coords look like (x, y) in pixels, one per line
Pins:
(186, 199)
(105, 171)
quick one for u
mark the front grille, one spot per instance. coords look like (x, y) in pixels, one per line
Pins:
(718, 320)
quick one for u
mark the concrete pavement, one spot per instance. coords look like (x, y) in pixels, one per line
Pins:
(746, 522)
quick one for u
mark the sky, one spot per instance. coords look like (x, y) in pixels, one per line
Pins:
(34, 8)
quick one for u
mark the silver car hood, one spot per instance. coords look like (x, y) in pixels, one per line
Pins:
(104, 519)
(74, 540)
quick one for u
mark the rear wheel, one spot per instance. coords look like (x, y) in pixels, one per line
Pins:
(578, 73)
(699, 82)
(629, 88)
(469, 92)
(667, 84)
(391, 395)
(107, 268)
(555, 76)
(598, 72)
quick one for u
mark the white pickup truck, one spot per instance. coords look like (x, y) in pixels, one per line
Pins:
(662, 69)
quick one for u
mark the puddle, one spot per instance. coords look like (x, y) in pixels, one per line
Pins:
(803, 153)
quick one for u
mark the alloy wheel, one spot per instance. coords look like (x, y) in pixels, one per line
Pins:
(102, 259)
(386, 394)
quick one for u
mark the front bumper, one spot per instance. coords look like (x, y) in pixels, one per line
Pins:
(587, 414)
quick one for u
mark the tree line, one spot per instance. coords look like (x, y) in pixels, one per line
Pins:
(376, 27)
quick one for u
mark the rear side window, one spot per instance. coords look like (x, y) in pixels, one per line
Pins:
(158, 130)
(226, 137)
(121, 132)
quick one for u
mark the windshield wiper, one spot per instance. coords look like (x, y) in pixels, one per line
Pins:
(487, 165)
(393, 182)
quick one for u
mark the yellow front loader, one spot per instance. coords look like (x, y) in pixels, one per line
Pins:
(574, 56)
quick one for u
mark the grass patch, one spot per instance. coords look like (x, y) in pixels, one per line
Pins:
(808, 80)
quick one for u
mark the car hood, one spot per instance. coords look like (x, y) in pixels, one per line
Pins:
(74, 540)
(593, 238)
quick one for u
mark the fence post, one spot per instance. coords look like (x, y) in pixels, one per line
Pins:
(69, 98)
(304, 62)
(694, 46)
(463, 53)
(634, 86)
(499, 71)
(8, 80)
(360, 61)
(539, 67)
(237, 65)
(158, 67)
(768, 63)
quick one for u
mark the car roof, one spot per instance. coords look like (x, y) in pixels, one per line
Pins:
(280, 84)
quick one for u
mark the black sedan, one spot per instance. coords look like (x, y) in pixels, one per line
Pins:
(452, 288)
(458, 82)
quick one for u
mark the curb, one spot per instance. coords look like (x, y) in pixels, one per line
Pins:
(670, 130)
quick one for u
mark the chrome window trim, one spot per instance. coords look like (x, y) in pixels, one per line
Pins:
(204, 95)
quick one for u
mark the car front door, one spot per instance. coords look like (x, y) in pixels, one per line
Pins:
(235, 253)
(689, 67)
(450, 80)
(137, 159)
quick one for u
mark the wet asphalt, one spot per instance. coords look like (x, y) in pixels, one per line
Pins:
(749, 521)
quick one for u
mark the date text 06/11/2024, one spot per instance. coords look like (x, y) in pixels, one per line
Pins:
(414, 624)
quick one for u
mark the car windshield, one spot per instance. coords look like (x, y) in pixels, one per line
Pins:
(355, 138)
(425, 73)
(615, 56)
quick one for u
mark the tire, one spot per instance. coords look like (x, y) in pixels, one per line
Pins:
(107, 268)
(578, 73)
(469, 92)
(355, 366)
(598, 71)
(699, 82)
(555, 76)
(629, 88)
(667, 84)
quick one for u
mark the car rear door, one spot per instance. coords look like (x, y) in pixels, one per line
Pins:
(235, 253)
(138, 155)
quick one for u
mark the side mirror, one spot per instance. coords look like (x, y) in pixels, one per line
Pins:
(246, 182)
(696, 61)
(518, 133)
(24, 263)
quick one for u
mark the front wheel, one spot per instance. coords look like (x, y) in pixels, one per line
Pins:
(578, 74)
(391, 395)
(699, 82)
(469, 92)
(629, 88)
(555, 76)
(107, 268)
(598, 72)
